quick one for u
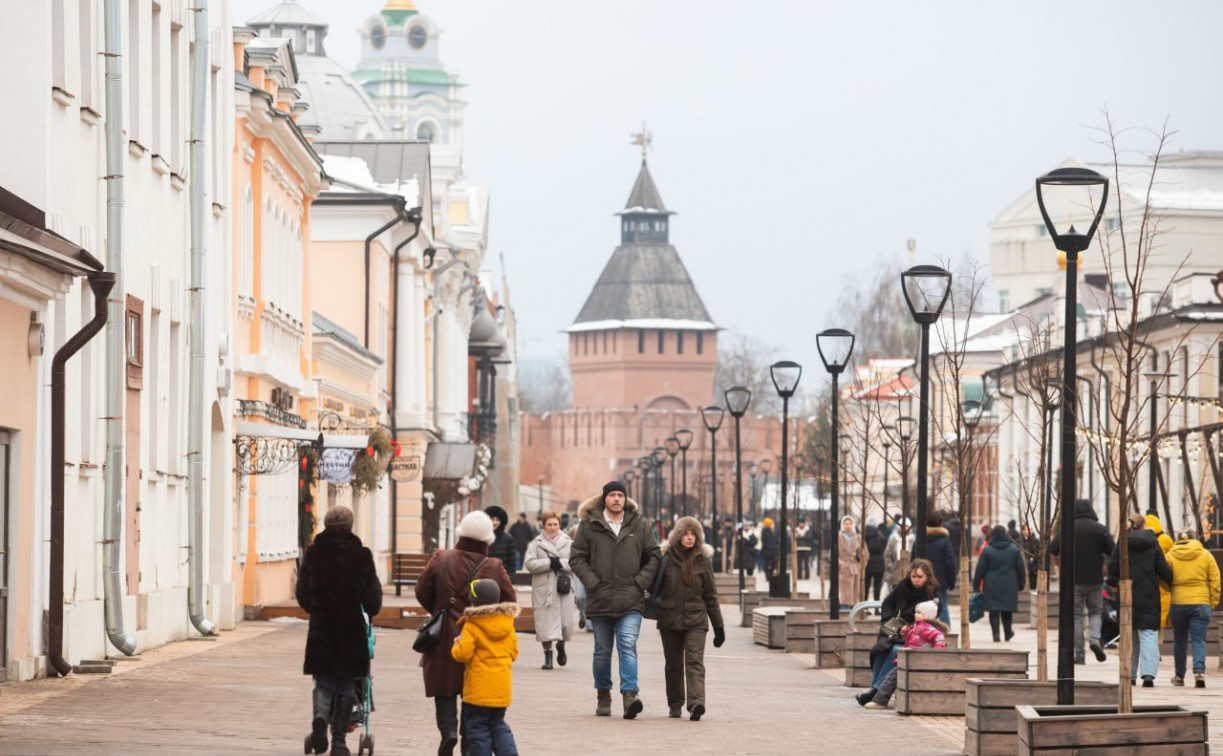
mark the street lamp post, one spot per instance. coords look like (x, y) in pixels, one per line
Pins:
(672, 447)
(684, 437)
(657, 457)
(836, 346)
(765, 466)
(645, 465)
(785, 375)
(926, 288)
(887, 462)
(1071, 191)
(541, 498)
(712, 417)
(904, 429)
(629, 476)
(972, 410)
(737, 400)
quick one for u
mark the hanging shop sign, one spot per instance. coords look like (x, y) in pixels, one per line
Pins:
(406, 468)
(335, 466)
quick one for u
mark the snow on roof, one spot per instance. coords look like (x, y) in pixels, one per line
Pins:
(1184, 181)
(657, 323)
(352, 174)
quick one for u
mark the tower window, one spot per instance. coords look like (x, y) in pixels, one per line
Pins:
(605, 342)
(660, 337)
(679, 342)
(425, 132)
(640, 341)
(700, 342)
(377, 37)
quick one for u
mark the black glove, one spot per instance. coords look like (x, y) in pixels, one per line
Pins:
(719, 637)
(555, 563)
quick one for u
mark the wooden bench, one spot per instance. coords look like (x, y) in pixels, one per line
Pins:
(857, 658)
(829, 639)
(769, 626)
(932, 680)
(991, 723)
(406, 568)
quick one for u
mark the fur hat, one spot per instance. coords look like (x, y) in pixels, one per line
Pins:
(338, 517)
(476, 526)
(500, 514)
(484, 592)
(929, 609)
(614, 485)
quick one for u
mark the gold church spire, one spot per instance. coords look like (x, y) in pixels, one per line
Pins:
(400, 5)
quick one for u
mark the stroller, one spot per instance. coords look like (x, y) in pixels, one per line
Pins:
(364, 704)
(1110, 623)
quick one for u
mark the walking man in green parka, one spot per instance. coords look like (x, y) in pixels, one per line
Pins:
(615, 556)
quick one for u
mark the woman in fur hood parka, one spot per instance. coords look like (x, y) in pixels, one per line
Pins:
(688, 602)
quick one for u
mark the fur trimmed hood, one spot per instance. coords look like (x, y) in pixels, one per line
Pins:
(706, 549)
(507, 608)
(936, 623)
(682, 525)
(933, 531)
(588, 507)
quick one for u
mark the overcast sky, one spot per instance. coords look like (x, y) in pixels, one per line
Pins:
(801, 142)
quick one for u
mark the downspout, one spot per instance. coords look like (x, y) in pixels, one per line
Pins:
(369, 245)
(197, 300)
(101, 284)
(413, 216)
(116, 353)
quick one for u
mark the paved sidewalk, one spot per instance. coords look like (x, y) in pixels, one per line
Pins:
(245, 694)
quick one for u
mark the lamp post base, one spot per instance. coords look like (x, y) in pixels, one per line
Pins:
(779, 586)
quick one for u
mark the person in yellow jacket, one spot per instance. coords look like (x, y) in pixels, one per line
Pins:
(487, 647)
(1165, 543)
(1195, 592)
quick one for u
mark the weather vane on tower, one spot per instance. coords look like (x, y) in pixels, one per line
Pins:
(644, 139)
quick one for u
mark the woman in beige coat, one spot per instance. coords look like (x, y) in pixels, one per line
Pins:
(547, 559)
(849, 561)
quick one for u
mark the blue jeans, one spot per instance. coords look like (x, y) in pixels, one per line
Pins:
(485, 732)
(884, 663)
(622, 631)
(1189, 623)
(944, 610)
(1146, 654)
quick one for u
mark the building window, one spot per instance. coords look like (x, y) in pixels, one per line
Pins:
(89, 51)
(425, 132)
(640, 341)
(660, 338)
(1004, 301)
(700, 342)
(134, 70)
(134, 339)
(679, 342)
(155, 77)
(173, 154)
(605, 342)
(59, 54)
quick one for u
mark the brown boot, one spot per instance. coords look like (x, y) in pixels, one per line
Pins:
(603, 709)
(632, 704)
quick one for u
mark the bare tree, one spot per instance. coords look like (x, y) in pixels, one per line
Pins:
(545, 385)
(877, 314)
(743, 361)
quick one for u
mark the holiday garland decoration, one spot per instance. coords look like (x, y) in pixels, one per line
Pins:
(371, 462)
(307, 476)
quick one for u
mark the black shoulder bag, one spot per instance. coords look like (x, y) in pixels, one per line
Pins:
(652, 600)
(429, 634)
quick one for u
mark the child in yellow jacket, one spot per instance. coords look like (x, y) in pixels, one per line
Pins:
(487, 645)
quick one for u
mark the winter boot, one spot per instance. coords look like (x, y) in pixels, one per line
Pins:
(318, 726)
(340, 717)
(698, 711)
(446, 711)
(603, 709)
(547, 660)
(863, 698)
(632, 704)
(561, 657)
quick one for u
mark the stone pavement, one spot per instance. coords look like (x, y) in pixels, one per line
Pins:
(244, 694)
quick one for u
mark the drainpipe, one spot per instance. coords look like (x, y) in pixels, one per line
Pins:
(116, 353)
(197, 302)
(400, 216)
(101, 284)
(413, 216)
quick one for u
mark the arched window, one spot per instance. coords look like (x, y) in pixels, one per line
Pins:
(425, 132)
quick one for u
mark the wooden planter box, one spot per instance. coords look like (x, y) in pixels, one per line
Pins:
(1054, 609)
(857, 656)
(798, 599)
(728, 586)
(1212, 644)
(1101, 731)
(769, 626)
(800, 629)
(932, 680)
(991, 724)
(748, 601)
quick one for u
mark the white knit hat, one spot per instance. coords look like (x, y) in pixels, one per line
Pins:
(929, 609)
(477, 526)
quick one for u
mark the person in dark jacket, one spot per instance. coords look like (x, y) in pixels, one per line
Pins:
(1092, 545)
(876, 542)
(951, 522)
(919, 586)
(1000, 576)
(502, 547)
(522, 533)
(688, 603)
(945, 561)
(615, 556)
(747, 548)
(768, 547)
(1012, 531)
(1029, 544)
(336, 582)
(448, 574)
(1148, 566)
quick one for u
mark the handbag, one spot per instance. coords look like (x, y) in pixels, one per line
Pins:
(429, 634)
(976, 607)
(564, 585)
(654, 596)
(889, 635)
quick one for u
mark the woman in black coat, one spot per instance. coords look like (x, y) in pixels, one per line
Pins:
(503, 543)
(1148, 566)
(1001, 574)
(876, 543)
(919, 586)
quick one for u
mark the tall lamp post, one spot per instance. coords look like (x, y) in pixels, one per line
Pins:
(645, 465)
(904, 430)
(785, 375)
(836, 346)
(887, 462)
(672, 447)
(684, 437)
(1072, 192)
(765, 466)
(657, 457)
(973, 411)
(926, 288)
(629, 476)
(712, 417)
(737, 400)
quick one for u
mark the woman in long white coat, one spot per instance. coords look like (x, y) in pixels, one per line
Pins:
(547, 559)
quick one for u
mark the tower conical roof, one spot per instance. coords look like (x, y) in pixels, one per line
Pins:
(645, 197)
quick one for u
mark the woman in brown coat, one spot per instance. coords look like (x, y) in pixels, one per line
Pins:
(688, 601)
(446, 575)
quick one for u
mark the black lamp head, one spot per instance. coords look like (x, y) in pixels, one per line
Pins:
(836, 346)
(684, 437)
(737, 400)
(658, 455)
(712, 417)
(1071, 190)
(766, 466)
(926, 289)
(672, 446)
(785, 375)
(904, 427)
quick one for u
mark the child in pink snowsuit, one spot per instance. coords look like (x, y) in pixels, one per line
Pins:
(925, 632)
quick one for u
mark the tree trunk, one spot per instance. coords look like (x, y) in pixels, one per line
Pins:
(1125, 648)
(1042, 625)
(965, 590)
